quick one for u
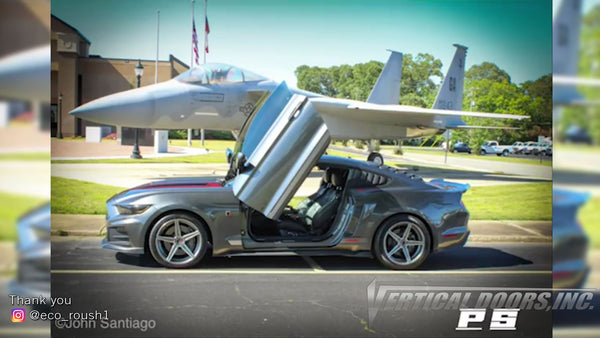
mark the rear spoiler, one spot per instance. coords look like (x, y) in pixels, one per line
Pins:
(450, 186)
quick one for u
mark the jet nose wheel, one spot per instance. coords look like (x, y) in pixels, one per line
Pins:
(375, 158)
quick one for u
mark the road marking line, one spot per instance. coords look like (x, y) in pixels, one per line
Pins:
(307, 272)
(533, 232)
(311, 262)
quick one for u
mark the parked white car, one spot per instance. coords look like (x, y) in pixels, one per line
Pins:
(517, 147)
(493, 147)
(545, 149)
(531, 148)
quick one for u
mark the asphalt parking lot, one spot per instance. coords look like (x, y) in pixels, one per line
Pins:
(273, 296)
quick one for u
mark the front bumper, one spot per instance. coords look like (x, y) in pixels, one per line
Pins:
(122, 246)
(126, 234)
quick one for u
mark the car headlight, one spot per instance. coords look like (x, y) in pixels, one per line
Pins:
(131, 209)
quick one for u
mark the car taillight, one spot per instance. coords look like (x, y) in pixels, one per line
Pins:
(462, 204)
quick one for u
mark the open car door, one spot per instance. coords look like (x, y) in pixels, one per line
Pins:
(282, 144)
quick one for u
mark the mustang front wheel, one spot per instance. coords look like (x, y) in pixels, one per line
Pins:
(402, 243)
(178, 241)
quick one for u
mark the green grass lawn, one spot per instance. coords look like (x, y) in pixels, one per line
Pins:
(80, 197)
(215, 145)
(25, 157)
(530, 201)
(11, 208)
(576, 147)
(589, 215)
(216, 157)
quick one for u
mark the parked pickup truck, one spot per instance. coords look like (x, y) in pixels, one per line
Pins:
(492, 147)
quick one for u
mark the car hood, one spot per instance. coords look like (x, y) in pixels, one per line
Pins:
(171, 184)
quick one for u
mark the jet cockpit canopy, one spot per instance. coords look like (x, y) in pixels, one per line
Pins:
(218, 73)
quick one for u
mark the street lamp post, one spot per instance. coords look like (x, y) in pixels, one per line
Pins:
(139, 71)
(59, 133)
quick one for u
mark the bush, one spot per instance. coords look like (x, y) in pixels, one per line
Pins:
(398, 151)
(359, 144)
(179, 134)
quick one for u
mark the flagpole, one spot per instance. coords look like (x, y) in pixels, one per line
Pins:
(205, 37)
(157, 36)
(189, 131)
(202, 130)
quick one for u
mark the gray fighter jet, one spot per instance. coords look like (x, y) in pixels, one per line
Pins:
(220, 96)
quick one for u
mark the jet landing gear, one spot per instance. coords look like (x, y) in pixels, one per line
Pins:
(375, 158)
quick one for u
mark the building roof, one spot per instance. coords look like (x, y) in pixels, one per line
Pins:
(73, 28)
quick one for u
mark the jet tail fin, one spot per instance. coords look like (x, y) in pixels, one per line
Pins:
(387, 87)
(450, 96)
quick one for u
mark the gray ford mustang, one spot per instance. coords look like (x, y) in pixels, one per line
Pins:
(360, 208)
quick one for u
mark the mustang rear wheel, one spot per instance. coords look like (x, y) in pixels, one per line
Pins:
(178, 241)
(402, 243)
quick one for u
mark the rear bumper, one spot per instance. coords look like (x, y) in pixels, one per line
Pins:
(454, 237)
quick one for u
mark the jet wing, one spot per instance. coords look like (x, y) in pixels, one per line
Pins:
(575, 81)
(406, 116)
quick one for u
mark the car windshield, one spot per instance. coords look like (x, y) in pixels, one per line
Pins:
(485, 144)
(218, 73)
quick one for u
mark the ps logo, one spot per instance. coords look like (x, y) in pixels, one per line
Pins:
(502, 319)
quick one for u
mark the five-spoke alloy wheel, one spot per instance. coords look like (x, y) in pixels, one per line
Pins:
(178, 240)
(402, 243)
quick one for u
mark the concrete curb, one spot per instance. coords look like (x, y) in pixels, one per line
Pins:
(512, 239)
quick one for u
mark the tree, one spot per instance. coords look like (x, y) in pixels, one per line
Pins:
(486, 70)
(418, 88)
(357, 81)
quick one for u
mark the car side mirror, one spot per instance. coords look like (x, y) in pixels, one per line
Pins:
(229, 155)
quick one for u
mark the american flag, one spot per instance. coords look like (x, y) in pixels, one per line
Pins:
(206, 31)
(195, 43)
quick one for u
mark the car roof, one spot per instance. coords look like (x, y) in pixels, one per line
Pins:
(350, 163)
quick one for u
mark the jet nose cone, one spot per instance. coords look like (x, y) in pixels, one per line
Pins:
(131, 108)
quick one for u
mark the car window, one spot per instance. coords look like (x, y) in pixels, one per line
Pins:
(368, 178)
(264, 119)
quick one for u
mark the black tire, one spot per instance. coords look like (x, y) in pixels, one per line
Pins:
(543, 153)
(505, 152)
(455, 151)
(191, 224)
(383, 241)
(482, 152)
(375, 158)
